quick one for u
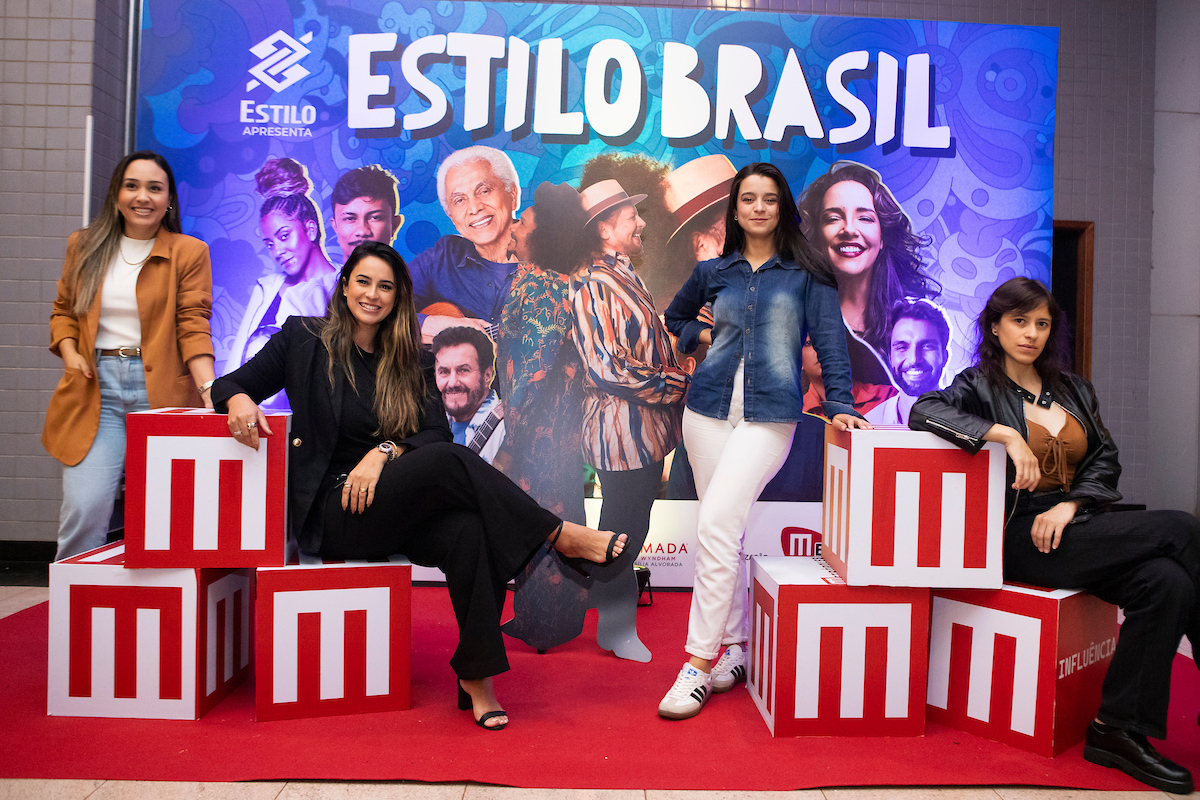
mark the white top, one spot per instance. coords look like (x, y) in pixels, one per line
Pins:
(119, 324)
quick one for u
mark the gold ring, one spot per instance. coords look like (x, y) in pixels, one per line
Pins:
(362, 491)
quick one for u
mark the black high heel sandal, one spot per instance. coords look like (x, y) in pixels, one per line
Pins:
(465, 704)
(582, 565)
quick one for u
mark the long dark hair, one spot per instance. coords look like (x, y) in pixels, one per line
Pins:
(1020, 296)
(790, 243)
(897, 271)
(399, 379)
(100, 240)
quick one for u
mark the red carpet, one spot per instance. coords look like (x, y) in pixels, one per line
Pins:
(580, 719)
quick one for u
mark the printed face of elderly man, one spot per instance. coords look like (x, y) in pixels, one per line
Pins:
(480, 207)
(464, 279)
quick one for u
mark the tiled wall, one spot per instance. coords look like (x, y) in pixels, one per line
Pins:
(1174, 435)
(45, 96)
(110, 54)
(1104, 158)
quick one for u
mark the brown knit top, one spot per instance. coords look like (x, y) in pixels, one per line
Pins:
(1058, 455)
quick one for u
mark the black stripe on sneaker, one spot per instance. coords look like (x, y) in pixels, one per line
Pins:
(699, 693)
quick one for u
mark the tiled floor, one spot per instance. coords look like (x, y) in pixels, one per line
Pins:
(17, 598)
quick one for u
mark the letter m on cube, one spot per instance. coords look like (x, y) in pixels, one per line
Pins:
(1022, 665)
(333, 638)
(195, 497)
(827, 659)
(146, 643)
(904, 508)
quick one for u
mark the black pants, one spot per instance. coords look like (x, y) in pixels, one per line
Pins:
(1146, 562)
(443, 506)
(628, 499)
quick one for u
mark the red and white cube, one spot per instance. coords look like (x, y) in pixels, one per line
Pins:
(1019, 665)
(148, 643)
(904, 508)
(196, 497)
(827, 659)
(333, 637)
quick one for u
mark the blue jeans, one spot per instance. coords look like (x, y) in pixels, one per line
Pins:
(90, 487)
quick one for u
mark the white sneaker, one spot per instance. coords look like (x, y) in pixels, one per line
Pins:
(730, 670)
(687, 696)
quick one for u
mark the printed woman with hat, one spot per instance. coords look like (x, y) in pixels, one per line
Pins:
(633, 403)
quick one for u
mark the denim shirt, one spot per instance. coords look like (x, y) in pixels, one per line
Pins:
(760, 317)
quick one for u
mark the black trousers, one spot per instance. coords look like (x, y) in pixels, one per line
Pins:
(628, 499)
(442, 506)
(1146, 562)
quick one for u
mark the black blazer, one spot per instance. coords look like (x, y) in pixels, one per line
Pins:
(965, 410)
(295, 360)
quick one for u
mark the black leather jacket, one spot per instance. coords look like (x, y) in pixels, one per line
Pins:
(964, 411)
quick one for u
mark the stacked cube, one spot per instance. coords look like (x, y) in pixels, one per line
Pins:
(906, 609)
(159, 626)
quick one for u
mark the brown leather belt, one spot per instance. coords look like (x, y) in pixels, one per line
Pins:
(123, 352)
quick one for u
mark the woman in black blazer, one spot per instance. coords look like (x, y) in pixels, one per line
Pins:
(373, 470)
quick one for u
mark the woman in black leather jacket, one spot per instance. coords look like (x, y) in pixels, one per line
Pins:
(1062, 474)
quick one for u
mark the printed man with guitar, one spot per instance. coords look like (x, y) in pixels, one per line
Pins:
(464, 367)
(465, 279)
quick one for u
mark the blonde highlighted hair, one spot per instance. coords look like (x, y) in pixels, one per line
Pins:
(399, 380)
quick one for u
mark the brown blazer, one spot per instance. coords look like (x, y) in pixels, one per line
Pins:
(174, 297)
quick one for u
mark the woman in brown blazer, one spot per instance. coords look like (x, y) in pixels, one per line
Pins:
(130, 323)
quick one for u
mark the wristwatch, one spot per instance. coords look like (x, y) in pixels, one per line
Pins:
(389, 449)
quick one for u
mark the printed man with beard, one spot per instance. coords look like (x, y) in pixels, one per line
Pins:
(633, 403)
(464, 367)
(917, 353)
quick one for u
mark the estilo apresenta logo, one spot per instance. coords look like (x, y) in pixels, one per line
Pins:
(279, 65)
(280, 61)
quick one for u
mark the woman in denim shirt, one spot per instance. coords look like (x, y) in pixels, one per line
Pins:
(768, 289)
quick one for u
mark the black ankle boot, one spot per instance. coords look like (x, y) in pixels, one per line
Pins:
(1109, 746)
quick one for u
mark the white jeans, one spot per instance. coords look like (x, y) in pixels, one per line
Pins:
(732, 460)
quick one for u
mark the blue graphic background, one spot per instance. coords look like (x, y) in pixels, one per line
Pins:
(986, 209)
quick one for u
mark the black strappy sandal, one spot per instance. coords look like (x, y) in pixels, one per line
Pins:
(464, 704)
(583, 565)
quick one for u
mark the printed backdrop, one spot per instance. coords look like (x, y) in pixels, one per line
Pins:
(956, 119)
